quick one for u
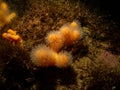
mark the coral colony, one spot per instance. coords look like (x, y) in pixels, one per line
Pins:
(5, 15)
(12, 36)
(52, 55)
(42, 55)
(5, 18)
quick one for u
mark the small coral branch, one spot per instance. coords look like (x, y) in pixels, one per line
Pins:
(12, 36)
(71, 32)
(5, 15)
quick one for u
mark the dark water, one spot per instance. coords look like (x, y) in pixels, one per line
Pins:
(109, 7)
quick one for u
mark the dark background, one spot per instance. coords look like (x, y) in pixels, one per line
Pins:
(108, 7)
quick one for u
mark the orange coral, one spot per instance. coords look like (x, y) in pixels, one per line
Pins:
(64, 59)
(43, 56)
(10, 31)
(74, 24)
(51, 56)
(12, 36)
(4, 7)
(5, 15)
(55, 40)
(71, 33)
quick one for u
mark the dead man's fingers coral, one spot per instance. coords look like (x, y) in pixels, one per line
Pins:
(6, 36)
(4, 7)
(10, 17)
(12, 36)
(55, 40)
(64, 59)
(43, 56)
(76, 26)
(66, 34)
(10, 31)
(71, 32)
(5, 15)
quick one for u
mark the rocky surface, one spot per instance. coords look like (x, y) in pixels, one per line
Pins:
(95, 57)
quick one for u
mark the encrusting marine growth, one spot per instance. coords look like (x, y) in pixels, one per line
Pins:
(5, 15)
(44, 56)
(12, 36)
